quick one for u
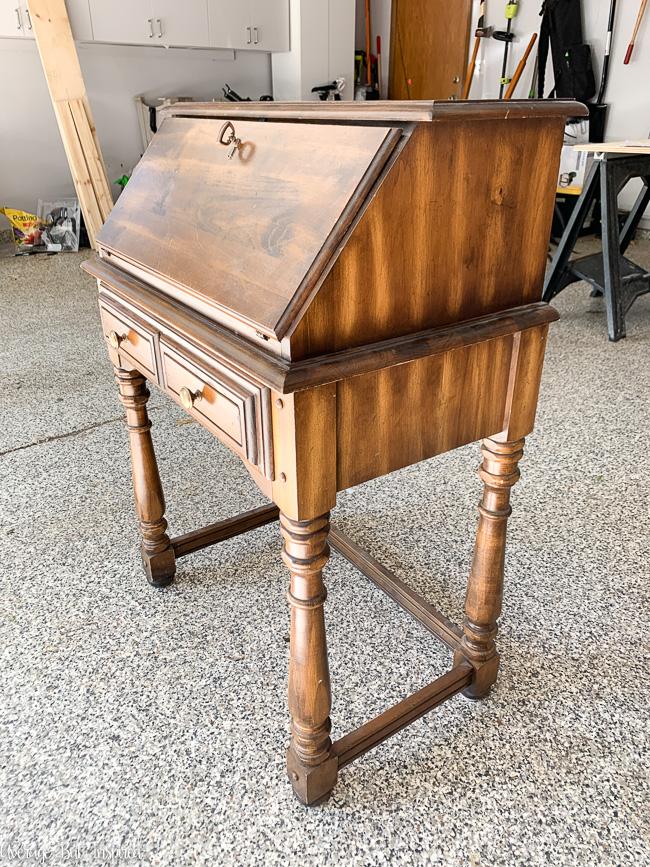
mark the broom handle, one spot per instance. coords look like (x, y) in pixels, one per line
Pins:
(639, 17)
(368, 65)
(470, 69)
(520, 68)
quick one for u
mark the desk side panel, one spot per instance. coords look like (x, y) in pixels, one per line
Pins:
(459, 228)
(397, 416)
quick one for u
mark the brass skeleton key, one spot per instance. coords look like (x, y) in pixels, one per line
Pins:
(231, 140)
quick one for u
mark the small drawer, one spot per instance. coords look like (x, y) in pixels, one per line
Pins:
(129, 338)
(215, 398)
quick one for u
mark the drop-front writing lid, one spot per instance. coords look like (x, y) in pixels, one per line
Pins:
(248, 235)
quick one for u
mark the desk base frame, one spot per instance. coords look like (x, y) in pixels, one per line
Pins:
(313, 760)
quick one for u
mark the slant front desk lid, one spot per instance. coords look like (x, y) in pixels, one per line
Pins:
(247, 236)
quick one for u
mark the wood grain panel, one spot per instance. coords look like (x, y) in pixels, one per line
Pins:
(526, 378)
(304, 446)
(460, 397)
(242, 233)
(428, 48)
(458, 229)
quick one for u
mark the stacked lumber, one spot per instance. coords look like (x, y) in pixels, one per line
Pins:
(72, 110)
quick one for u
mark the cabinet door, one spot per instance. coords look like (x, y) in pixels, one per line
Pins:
(181, 24)
(13, 21)
(79, 15)
(270, 20)
(230, 24)
(28, 29)
(123, 21)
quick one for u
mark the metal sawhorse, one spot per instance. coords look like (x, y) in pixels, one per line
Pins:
(609, 273)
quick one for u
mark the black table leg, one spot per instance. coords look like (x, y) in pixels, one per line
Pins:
(633, 218)
(611, 251)
(556, 278)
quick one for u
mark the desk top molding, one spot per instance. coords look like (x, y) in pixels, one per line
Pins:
(407, 111)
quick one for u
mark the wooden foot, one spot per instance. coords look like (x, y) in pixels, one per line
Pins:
(157, 552)
(311, 766)
(499, 472)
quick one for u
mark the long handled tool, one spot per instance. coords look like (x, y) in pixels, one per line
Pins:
(519, 71)
(371, 92)
(639, 17)
(506, 36)
(533, 81)
(481, 32)
(608, 51)
(368, 32)
(379, 65)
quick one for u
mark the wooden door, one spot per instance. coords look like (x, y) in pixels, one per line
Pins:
(270, 21)
(428, 48)
(128, 22)
(230, 24)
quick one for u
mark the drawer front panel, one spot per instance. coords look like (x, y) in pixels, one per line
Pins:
(130, 338)
(223, 405)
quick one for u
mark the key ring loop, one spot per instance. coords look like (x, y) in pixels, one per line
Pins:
(225, 128)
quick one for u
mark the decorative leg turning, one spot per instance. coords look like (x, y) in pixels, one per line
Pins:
(157, 552)
(499, 472)
(311, 767)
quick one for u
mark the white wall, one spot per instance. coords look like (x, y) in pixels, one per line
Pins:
(32, 159)
(322, 49)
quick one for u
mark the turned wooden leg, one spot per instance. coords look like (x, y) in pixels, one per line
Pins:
(499, 472)
(157, 552)
(311, 768)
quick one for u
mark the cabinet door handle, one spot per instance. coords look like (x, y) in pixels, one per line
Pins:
(150, 23)
(160, 30)
(19, 23)
(29, 19)
(248, 30)
(256, 35)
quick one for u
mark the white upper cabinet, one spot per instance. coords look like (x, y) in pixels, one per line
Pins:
(260, 25)
(151, 22)
(270, 22)
(184, 24)
(129, 22)
(79, 15)
(230, 24)
(15, 21)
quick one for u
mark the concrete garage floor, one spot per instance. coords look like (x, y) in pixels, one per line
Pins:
(149, 726)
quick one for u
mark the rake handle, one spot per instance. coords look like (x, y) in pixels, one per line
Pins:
(520, 68)
(639, 18)
(470, 69)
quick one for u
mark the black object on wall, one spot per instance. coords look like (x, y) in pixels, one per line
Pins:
(561, 29)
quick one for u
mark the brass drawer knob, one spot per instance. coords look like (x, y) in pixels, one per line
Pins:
(189, 398)
(115, 339)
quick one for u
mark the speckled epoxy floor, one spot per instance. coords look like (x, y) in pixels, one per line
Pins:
(149, 727)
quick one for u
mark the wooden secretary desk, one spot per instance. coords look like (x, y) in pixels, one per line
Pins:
(337, 291)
